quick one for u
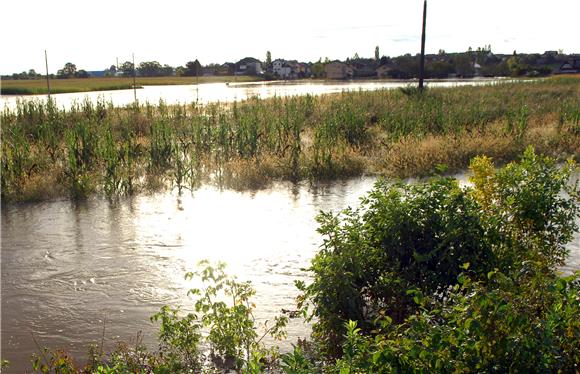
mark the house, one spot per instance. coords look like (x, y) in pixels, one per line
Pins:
(96, 73)
(383, 71)
(364, 67)
(227, 68)
(282, 69)
(338, 70)
(299, 69)
(303, 70)
(249, 66)
(476, 69)
(209, 71)
(491, 58)
(572, 66)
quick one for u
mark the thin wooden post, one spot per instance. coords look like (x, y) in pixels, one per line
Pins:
(422, 63)
(47, 80)
(134, 83)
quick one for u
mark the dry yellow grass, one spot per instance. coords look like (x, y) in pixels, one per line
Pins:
(419, 156)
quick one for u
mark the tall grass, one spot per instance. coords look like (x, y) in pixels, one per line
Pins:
(48, 151)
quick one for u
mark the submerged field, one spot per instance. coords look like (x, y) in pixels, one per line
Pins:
(38, 86)
(49, 152)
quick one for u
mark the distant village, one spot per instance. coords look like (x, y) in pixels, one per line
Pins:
(481, 62)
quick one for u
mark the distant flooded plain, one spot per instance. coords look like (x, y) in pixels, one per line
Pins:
(230, 92)
(72, 269)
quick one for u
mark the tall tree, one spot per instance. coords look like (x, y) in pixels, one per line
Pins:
(515, 65)
(150, 69)
(463, 64)
(127, 68)
(377, 54)
(317, 69)
(180, 71)
(268, 59)
(193, 68)
(167, 70)
(69, 70)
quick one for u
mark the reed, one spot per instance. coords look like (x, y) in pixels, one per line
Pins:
(97, 147)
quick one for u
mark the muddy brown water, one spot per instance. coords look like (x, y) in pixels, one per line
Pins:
(67, 267)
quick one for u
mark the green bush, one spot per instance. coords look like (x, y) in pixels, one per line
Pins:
(503, 324)
(422, 237)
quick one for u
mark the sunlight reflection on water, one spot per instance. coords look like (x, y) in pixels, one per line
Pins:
(225, 93)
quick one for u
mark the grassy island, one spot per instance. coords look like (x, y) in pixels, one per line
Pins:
(38, 86)
(98, 148)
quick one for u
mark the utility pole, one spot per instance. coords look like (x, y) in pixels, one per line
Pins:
(422, 63)
(134, 84)
(47, 81)
(197, 67)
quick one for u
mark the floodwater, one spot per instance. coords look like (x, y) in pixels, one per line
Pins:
(71, 269)
(222, 92)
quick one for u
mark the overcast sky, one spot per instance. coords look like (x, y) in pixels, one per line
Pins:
(92, 34)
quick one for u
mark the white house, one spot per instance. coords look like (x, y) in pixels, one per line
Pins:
(281, 69)
(477, 69)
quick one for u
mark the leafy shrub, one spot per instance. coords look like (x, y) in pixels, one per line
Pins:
(179, 340)
(421, 238)
(232, 337)
(503, 324)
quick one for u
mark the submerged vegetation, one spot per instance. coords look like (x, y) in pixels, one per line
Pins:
(431, 277)
(98, 148)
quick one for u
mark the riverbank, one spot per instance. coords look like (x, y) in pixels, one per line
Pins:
(50, 152)
(38, 86)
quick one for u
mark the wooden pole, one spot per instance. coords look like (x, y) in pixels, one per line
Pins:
(134, 76)
(47, 80)
(422, 63)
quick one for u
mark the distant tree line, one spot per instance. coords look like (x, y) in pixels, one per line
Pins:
(31, 74)
(474, 62)
(69, 70)
(479, 62)
(155, 69)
